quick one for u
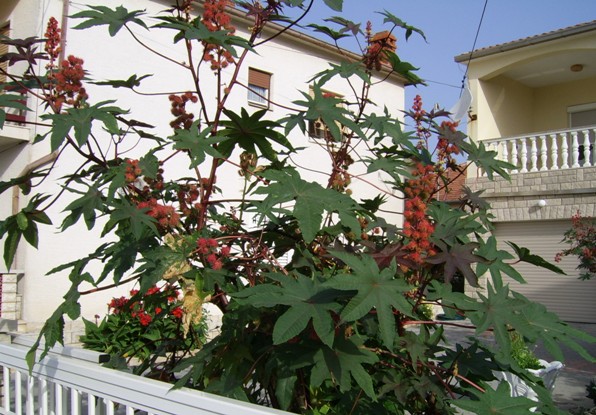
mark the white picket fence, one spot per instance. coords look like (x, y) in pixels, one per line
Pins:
(70, 381)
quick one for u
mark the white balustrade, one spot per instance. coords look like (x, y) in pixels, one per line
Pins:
(574, 149)
(554, 154)
(552, 150)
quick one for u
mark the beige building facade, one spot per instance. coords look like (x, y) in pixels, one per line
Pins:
(534, 103)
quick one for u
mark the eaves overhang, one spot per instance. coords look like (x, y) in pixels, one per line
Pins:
(528, 41)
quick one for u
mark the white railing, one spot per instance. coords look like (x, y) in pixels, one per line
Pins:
(69, 381)
(546, 151)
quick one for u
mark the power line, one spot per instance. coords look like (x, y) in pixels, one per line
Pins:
(474, 45)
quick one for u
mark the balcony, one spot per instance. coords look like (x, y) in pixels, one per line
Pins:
(547, 151)
(14, 130)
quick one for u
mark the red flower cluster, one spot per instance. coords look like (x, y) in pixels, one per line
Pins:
(419, 114)
(67, 83)
(166, 215)
(417, 226)
(52, 46)
(183, 119)
(207, 248)
(216, 18)
(177, 312)
(133, 170)
(145, 309)
(117, 304)
(446, 149)
(187, 195)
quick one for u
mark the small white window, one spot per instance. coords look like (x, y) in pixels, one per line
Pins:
(259, 87)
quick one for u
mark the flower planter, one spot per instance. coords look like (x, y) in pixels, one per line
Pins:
(548, 373)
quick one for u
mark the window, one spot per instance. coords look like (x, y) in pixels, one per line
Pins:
(259, 87)
(584, 115)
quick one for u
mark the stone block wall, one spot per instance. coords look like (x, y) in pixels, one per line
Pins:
(564, 192)
(10, 300)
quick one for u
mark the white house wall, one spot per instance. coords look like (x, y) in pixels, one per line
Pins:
(119, 58)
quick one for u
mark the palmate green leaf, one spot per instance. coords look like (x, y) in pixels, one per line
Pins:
(377, 290)
(458, 257)
(524, 255)
(344, 70)
(487, 160)
(310, 199)
(198, 144)
(85, 206)
(347, 25)
(81, 120)
(132, 82)
(496, 310)
(496, 264)
(342, 363)
(390, 18)
(131, 216)
(22, 224)
(115, 19)
(453, 226)
(535, 323)
(333, 34)
(330, 110)
(496, 402)
(336, 5)
(250, 132)
(196, 30)
(24, 182)
(308, 300)
(403, 68)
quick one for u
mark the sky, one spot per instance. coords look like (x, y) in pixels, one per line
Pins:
(450, 27)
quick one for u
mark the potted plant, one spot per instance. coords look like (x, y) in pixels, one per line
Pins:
(525, 358)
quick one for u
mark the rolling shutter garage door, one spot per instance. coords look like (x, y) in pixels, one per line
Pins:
(571, 299)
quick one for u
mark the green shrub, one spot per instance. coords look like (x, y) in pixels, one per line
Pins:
(147, 327)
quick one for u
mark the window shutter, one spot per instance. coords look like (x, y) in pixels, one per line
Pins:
(259, 78)
(3, 50)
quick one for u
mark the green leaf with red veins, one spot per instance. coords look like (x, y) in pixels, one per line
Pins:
(377, 290)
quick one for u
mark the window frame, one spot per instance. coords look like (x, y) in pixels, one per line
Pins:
(258, 78)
